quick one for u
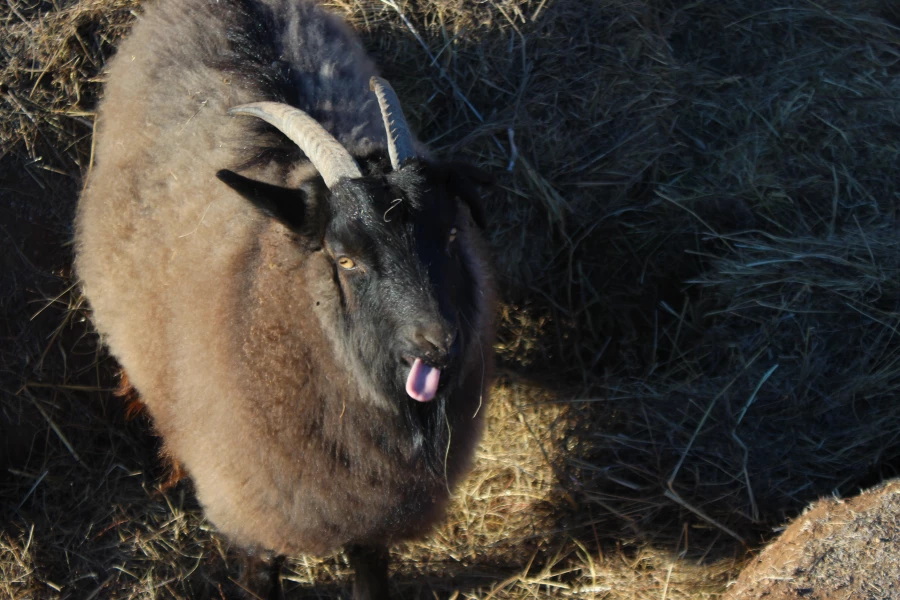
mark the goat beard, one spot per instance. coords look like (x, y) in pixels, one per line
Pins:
(430, 428)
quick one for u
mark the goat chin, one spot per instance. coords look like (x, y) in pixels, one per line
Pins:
(270, 370)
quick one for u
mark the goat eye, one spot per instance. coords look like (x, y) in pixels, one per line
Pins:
(346, 262)
(452, 236)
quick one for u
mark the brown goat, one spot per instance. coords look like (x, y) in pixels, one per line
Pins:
(311, 331)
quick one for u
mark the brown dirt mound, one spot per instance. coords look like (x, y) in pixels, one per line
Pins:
(836, 550)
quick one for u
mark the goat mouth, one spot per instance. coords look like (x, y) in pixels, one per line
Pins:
(422, 381)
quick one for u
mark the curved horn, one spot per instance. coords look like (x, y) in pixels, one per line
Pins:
(326, 154)
(400, 144)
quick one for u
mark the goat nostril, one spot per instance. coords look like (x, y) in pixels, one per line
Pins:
(431, 340)
(435, 340)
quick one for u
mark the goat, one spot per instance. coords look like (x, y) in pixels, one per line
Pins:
(300, 295)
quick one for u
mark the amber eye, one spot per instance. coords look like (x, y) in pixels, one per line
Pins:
(346, 263)
(452, 234)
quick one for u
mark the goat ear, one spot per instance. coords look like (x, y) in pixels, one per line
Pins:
(290, 206)
(464, 180)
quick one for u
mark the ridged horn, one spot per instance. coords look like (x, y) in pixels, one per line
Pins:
(326, 154)
(400, 144)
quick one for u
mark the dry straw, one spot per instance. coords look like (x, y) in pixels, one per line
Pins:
(696, 234)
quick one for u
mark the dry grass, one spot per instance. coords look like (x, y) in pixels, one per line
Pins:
(696, 234)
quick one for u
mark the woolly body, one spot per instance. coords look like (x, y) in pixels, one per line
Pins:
(228, 323)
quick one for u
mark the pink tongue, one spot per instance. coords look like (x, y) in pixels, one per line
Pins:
(423, 380)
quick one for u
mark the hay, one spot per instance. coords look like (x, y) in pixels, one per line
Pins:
(696, 234)
(835, 549)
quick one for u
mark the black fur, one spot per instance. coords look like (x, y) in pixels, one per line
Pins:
(396, 226)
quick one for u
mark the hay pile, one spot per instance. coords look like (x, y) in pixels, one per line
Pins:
(755, 363)
(696, 234)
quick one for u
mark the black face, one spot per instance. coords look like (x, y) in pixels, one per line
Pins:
(396, 242)
(405, 284)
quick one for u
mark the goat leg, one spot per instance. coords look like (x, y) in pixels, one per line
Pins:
(370, 563)
(276, 592)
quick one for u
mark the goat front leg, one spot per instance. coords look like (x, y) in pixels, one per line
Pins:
(276, 592)
(370, 563)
